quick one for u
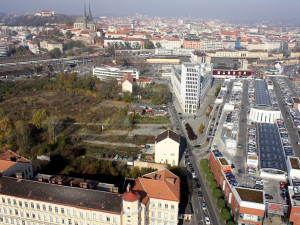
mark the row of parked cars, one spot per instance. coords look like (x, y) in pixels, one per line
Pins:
(231, 178)
(288, 98)
(285, 138)
(116, 157)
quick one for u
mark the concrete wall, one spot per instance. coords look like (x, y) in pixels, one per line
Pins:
(152, 165)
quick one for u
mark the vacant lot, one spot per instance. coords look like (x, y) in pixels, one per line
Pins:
(59, 103)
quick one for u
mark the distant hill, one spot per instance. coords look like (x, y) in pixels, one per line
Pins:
(31, 20)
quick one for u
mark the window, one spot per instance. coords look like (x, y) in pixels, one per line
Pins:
(62, 210)
(50, 208)
(100, 217)
(51, 218)
(159, 205)
(26, 204)
(172, 207)
(45, 217)
(57, 219)
(153, 214)
(74, 212)
(94, 216)
(87, 215)
(3, 200)
(107, 218)
(81, 214)
(159, 214)
(20, 203)
(32, 205)
(63, 221)
(8, 201)
(68, 211)
(16, 212)
(172, 217)
(44, 207)
(166, 215)
(166, 206)
(56, 209)
(38, 206)
(114, 219)
(15, 202)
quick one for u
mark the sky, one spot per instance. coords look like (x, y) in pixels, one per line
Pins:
(228, 10)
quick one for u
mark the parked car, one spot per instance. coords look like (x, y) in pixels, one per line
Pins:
(240, 171)
(203, 206)
(200, 194)
(252, 178)
(267, 196)
(207, 220)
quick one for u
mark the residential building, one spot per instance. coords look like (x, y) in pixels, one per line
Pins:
(12, 164)
(192, 43)
(45, 13)
(153, 198)
(104, 72)
(50, 45)
(190, 84)
(127, 83)
(3, 51)
(167, 147)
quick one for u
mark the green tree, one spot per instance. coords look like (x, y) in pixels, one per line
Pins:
(220, 203)
(217, 193)
(158, 45)
(213, 185)
(135, 172)
(127, 96)
(55, 53)
(148, 45)
(22, 133)
(203, 163)
(218, 89)
(69, 35)
(207, 169)
(209, 177)
(225, 214)
(54, 126)
(230, 222)
(39, 117)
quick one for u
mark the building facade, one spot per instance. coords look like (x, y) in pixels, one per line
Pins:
(154, 199)
(106, 72)
(190, 84)
(85, 22)
(167, 147)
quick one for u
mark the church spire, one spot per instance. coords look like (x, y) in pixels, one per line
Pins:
(90, 12)
(85, 18)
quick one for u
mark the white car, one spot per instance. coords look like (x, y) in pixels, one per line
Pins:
(207, 221)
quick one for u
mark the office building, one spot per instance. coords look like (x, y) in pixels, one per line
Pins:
(105, 72)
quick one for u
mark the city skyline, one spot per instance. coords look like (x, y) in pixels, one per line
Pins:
(231, 10)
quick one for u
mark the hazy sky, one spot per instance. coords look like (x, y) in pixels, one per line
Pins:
(233, 10)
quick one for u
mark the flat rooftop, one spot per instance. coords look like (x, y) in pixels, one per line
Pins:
(262, 97)
(271, 154)
(224, 161)
(294, 163)
(250, 195)
(60, 194)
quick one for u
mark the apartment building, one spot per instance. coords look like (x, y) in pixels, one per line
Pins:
(50, 45)
(167, 146)
(153, 199)
(3, 51)
(190, 84)
(105, 72)
(192, 43)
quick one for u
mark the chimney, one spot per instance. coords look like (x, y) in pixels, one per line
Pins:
(60, 180)
(128, 188)
(19, 175)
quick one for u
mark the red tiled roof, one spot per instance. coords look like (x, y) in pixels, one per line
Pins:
(131, 196)
(161, 184)
(225, 32)
(143, 80)
(11, 156)
(128, 77)
(4, 165)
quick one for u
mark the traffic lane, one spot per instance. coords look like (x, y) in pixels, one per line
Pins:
(207, 197)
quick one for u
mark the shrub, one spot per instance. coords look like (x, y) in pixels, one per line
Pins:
(210, 177)
(230, 222)
(220, 203)
(217, 193)
(203, 163)
(213, 185)
(225, 215)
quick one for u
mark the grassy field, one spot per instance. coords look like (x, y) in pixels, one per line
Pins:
(155, 120)
(59, 103)
(96, 151)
